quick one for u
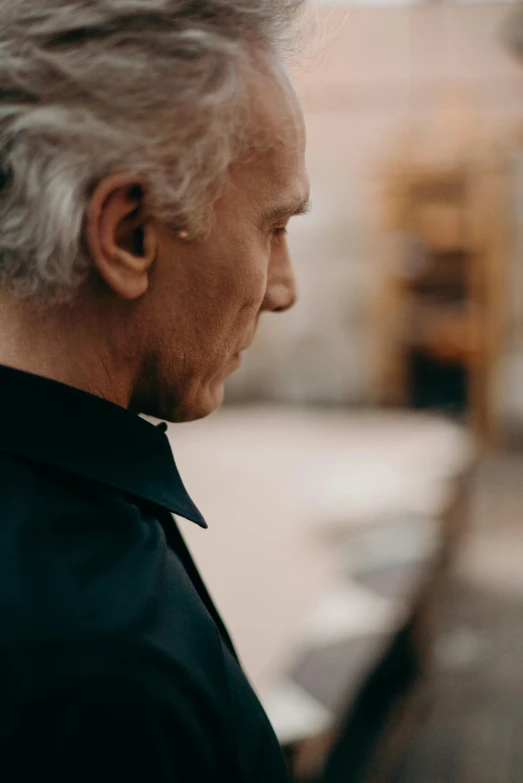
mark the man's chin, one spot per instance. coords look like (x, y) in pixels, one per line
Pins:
(207, 402)
(176, 411)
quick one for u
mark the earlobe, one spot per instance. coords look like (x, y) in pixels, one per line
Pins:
(120, 238)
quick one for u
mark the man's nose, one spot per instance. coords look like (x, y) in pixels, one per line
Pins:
(282, 291)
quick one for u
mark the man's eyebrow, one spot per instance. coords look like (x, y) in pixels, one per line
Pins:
(291, 209)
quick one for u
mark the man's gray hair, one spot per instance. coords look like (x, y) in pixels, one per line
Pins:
(90, 87)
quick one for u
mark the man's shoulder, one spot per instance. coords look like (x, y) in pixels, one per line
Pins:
(84, 568)
(54, 524)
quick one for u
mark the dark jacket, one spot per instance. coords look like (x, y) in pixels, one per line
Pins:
(115, 665)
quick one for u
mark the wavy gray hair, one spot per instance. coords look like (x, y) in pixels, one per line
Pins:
(88, 87)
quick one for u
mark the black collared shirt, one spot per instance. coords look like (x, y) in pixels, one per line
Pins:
(114, 664)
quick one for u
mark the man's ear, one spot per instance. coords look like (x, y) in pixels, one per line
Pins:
(120, 239)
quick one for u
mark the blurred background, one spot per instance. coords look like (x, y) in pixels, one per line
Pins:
(364, 482)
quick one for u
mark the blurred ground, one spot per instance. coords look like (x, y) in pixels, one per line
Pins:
(323, 527)
(271, 553)
(464, 720)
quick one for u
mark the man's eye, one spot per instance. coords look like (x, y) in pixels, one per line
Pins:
(279, 231)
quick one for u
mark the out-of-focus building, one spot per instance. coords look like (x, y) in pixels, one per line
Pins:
(428, 84)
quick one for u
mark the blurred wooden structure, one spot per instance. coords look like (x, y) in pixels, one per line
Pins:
(440, 313)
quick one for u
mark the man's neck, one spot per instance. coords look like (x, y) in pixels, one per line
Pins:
(51, 343)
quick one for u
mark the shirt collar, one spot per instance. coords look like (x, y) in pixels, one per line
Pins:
(90, 437)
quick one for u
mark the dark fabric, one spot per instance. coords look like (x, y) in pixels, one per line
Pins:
(114, 663)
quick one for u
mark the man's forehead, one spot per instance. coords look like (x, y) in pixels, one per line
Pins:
(275, 170)
(274, 104)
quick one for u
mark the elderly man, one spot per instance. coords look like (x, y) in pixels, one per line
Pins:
(151, 156)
